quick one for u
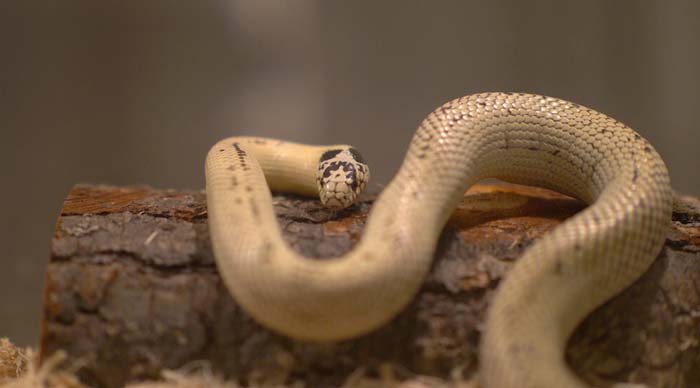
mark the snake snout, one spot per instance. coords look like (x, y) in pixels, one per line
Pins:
(341, 178)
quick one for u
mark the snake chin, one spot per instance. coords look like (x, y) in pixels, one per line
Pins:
(342, 175)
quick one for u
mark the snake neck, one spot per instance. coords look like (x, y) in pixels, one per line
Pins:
(288, 167)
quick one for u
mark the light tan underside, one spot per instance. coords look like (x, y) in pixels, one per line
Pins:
(519, 138)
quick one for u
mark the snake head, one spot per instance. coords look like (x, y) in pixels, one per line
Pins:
(342, 175)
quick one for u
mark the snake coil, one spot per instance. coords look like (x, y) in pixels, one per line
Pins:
(520, 138)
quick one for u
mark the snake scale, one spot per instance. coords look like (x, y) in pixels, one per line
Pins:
(516, 137)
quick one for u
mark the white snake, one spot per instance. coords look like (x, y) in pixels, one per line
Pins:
(516, 137)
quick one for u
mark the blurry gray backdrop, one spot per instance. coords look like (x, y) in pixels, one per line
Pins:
(134, 92)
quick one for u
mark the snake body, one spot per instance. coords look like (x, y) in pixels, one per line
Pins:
(520, 138)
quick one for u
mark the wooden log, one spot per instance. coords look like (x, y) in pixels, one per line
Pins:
(132, 288)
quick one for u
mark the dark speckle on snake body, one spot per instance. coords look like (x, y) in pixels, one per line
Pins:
(329, 155)
(356, 155)
(558, 267)
(254, 208)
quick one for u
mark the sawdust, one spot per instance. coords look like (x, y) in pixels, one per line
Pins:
(19, 368)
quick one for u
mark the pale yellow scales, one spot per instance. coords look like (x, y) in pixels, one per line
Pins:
(519, 138)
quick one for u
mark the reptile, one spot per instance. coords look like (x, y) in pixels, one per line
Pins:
(516, 137)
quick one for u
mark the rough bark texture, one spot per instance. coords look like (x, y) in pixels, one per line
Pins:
(132, 288)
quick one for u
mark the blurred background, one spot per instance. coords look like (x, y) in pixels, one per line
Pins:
(135, 92)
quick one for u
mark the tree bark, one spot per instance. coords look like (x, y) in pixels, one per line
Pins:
(132, 288)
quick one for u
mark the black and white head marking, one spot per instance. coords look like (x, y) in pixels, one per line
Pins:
(342, 175)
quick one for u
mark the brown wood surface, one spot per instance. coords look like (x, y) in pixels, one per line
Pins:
(132, 288)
